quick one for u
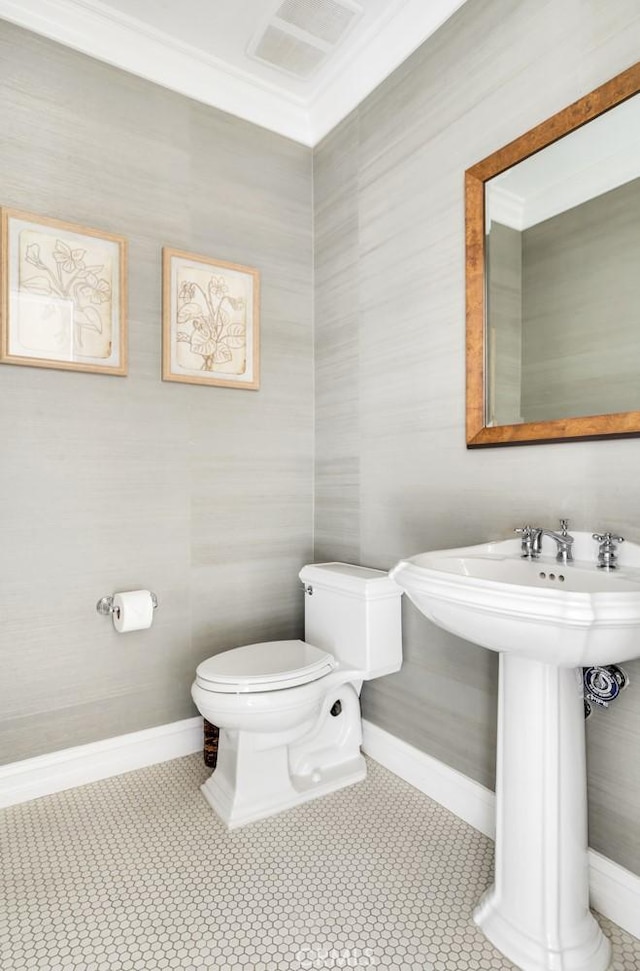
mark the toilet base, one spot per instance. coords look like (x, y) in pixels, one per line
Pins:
(223, 801)
(259, 774)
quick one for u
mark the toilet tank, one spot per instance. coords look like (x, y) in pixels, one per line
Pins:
(354, 613)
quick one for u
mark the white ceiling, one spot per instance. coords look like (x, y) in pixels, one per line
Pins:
(337, 51)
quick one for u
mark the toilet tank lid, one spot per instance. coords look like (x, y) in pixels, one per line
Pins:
(358, 581)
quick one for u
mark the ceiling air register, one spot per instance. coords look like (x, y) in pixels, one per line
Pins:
(303, 34)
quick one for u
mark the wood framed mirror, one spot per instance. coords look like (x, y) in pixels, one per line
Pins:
(553, 277)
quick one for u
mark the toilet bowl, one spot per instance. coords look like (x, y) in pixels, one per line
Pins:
(289, 711)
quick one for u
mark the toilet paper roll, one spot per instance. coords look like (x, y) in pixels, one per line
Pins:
(132, 610)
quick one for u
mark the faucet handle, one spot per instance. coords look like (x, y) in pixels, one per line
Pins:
(607, 538)
(530, 535)
(607, 550)
(564, 527)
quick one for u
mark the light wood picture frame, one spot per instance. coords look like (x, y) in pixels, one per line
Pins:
(64, 295)
(210, 321)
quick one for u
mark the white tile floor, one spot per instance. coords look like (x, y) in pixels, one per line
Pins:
(136, 873)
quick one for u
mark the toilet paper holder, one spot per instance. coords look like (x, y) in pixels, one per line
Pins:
(105, 605)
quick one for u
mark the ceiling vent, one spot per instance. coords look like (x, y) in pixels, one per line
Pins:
(326, 20)
(302, 34)
(288, 53)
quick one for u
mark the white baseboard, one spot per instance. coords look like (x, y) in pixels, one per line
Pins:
(614, 891)
(45, 774)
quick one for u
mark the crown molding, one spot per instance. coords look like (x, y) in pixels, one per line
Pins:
(127, 43)
(100, 32)
(504, 207)
(356, 72)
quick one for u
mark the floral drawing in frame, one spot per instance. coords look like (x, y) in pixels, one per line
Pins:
(63, 295)
(211, 331)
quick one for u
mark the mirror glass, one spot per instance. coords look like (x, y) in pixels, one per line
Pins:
(562, 276)
(552, 223)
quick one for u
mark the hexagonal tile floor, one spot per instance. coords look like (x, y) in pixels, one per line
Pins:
(136, 873)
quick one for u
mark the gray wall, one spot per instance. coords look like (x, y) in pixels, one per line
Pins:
(580, 300)
(393, 474)
(202, 494)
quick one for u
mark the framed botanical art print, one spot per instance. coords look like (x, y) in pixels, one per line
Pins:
(64, 295)
(210, 321)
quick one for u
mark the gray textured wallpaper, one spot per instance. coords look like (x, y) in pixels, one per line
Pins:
(393, 474)
(201, 494)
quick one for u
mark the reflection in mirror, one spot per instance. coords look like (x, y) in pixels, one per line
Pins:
(553, 276)
(563, 276)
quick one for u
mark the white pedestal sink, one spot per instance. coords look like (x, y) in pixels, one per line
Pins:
(547, 620)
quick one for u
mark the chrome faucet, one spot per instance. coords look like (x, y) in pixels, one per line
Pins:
(532, 541)
(564, 552)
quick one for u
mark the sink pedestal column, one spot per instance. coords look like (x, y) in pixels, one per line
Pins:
(537, 912)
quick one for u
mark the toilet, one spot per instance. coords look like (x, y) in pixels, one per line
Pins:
(289, 711)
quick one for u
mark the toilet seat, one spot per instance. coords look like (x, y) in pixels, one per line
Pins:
(267, 666)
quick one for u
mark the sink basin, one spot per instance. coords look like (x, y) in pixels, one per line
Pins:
(546, 620)
(569, 615)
